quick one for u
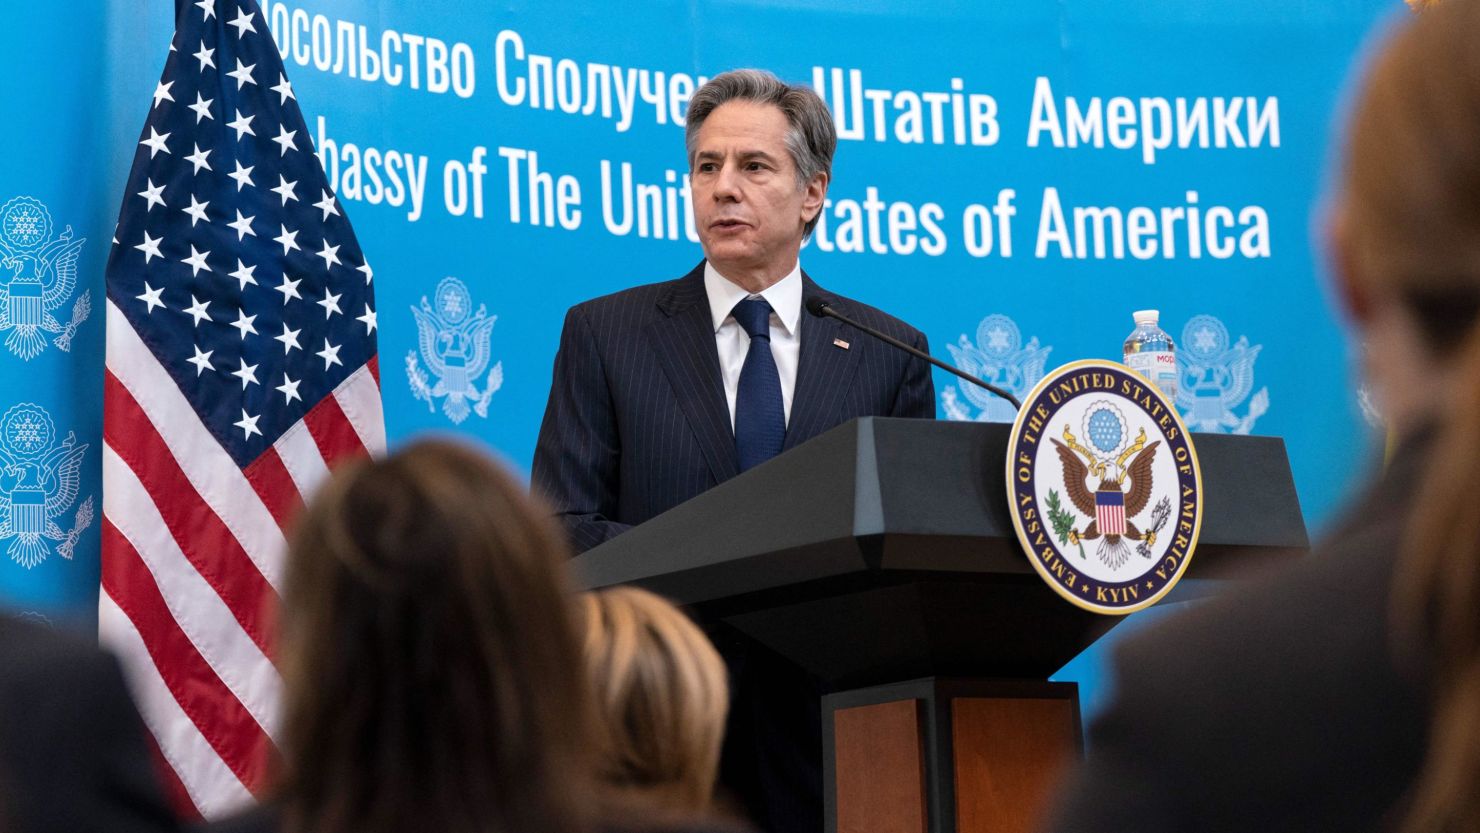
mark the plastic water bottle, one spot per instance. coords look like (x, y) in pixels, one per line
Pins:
(1150, 352)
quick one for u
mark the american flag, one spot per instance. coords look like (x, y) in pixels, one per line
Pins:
(241, 366)
(1110, 511)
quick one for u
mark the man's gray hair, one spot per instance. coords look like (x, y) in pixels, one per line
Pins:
(811, 138)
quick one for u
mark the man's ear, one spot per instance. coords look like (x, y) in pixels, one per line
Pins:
(1351, 290)
(814, 194)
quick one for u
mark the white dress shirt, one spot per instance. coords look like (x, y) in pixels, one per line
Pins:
(785, 298)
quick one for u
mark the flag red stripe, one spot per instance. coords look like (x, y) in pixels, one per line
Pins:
(174, 789)
(222, 720)
(212, 549)
(272, 483)
(332, 432)
(374, 365)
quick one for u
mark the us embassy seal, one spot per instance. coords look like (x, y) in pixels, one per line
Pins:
(1105, 488)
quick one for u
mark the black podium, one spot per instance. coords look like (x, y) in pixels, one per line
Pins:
(881, 558)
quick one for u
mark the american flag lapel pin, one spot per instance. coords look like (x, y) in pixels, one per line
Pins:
(838, 342)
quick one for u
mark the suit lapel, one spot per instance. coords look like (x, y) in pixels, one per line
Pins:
(684, 343)
(823, 370)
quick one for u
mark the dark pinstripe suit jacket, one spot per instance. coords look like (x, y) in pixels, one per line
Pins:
(637, 421)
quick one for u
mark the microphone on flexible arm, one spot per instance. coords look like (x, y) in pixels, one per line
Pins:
(822, 309)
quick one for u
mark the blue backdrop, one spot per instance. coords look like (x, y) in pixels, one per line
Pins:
(533, 154)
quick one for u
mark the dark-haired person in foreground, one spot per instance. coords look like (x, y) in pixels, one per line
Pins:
(1344, 693)
(73, 751)
(663, 391)
(431, 663)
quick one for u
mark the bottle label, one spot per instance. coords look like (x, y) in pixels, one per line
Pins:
(1160, 366)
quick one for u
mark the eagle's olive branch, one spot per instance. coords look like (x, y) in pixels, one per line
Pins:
(1062, 521)
(420, 384)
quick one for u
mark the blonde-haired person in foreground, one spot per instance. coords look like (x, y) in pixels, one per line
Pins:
(662, 694)
(1344, 693)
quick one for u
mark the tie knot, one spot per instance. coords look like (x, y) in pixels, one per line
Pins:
(754, 317)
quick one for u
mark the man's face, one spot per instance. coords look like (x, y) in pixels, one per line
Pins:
(747, 205)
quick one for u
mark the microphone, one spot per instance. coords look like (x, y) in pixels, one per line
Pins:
(822, 309)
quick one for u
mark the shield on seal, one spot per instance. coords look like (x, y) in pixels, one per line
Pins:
(1110, 511)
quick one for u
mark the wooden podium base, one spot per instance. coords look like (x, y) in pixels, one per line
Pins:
(941, 755)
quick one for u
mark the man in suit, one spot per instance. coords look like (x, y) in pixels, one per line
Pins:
(73, 754)
(666, 390)
(656, 397)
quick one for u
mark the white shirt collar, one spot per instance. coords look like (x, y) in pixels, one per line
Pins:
(784, 296)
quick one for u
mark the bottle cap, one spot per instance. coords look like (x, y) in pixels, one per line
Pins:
(1146, 316)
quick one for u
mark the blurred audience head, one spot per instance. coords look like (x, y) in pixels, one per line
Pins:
(429, 655)
(1407, 239)
(662, 693)
(1406, 230)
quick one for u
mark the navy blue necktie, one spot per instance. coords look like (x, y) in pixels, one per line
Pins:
(760, 416)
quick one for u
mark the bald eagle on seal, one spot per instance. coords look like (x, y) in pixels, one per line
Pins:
(1108, 504)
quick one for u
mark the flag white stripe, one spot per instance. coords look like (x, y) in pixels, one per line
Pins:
(301, 457)
(211, 784)
(359, 398)
(209, 468)
(194, 605)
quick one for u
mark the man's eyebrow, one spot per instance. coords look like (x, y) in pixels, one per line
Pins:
(744, 154)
